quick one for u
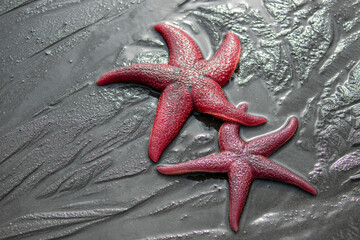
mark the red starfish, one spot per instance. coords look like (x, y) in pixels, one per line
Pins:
(243, 161)
(188, 82)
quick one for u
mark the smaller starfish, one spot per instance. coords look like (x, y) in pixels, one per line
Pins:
(187, 82)
(243, 161)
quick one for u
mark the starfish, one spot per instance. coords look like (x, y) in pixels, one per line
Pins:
(243, 161)
(187, 82)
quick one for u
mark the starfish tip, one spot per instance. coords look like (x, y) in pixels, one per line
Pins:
(235, 227)
(100, 81)
(159, 26)
(154, 159)
(292, 124)
(312, 191)
(154, 156)
(105, 79)
(161, 169)
(293, 120)
(261, 120)
(166, 170)
(255, 121)
(231, 34)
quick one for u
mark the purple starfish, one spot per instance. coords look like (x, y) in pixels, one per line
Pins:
(243, 161)
(187, 83)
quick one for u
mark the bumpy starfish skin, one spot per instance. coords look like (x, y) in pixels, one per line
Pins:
(243, 161)
(187, 83)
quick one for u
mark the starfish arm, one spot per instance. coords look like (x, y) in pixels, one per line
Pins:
(222, 65)
(229, 139)
(218, 162)
(240, 178)
(157, 76)
(175, 105)
(183, 51)
(264, 168)
(209, 98)
(267, 144)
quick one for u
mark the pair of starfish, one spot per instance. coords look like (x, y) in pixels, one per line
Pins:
(188, 82)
